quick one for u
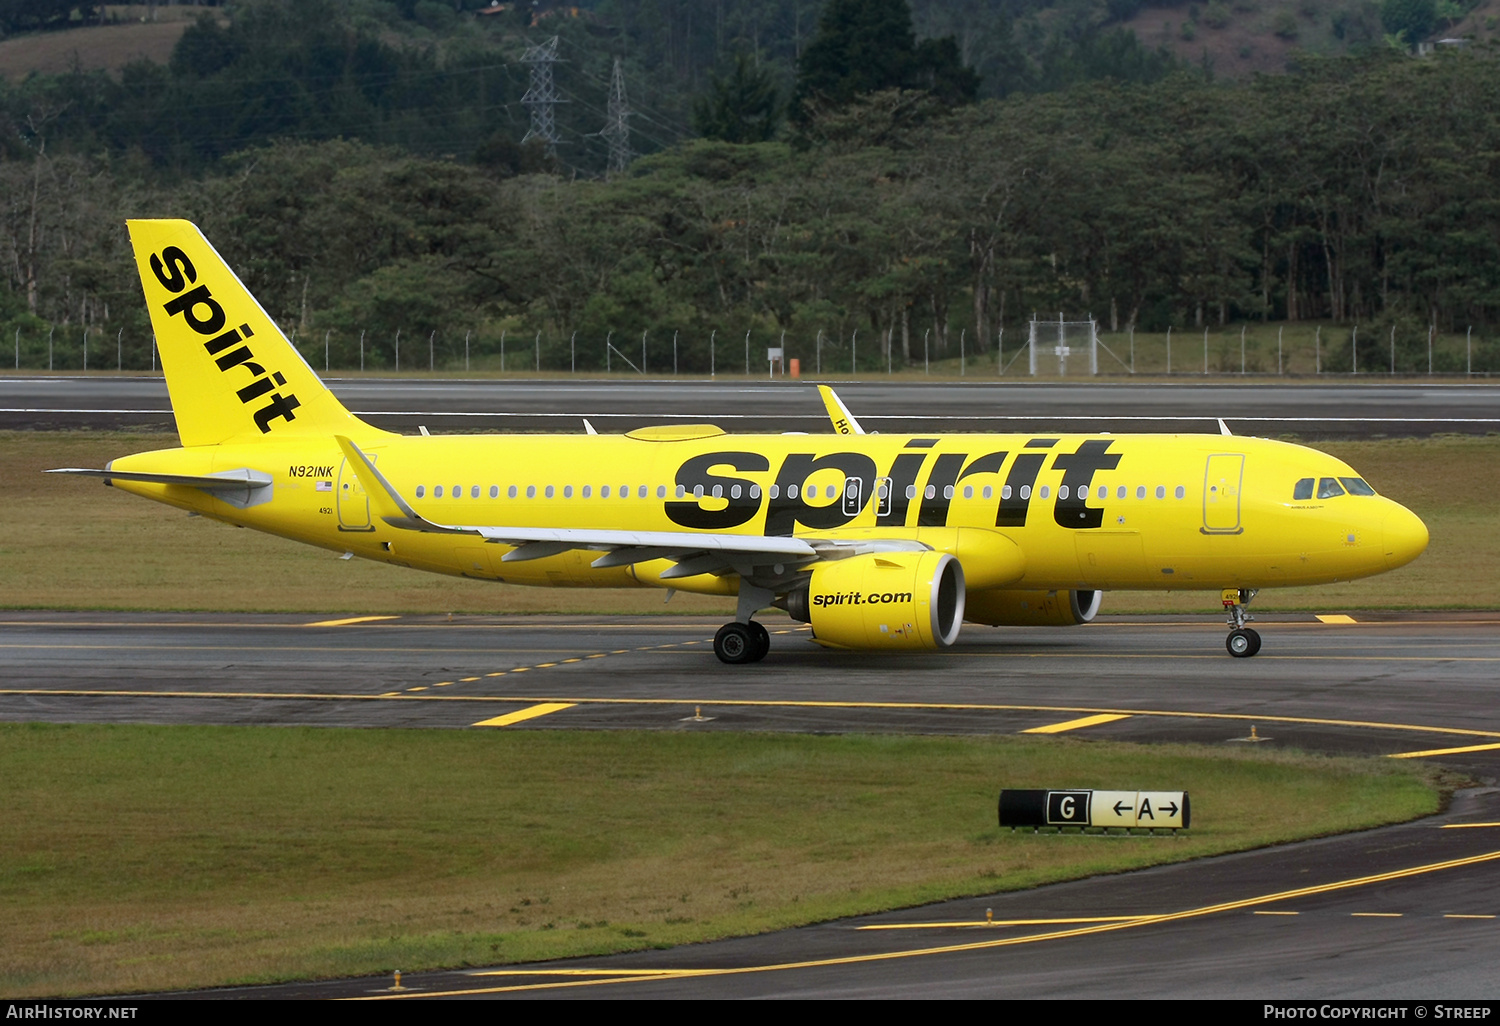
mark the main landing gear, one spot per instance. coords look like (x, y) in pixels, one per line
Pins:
(1243, 642)
(742, 643)
(745, 641)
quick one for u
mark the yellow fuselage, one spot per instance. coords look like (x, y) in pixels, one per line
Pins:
(1156, 511)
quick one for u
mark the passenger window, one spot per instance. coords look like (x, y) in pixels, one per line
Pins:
(643, 492)
(929, 492)
(697, 491)
(437, 493)
(911, 491)
(989, 492)
(718, 491)
(1104, 491)
(734, 491)
(1140, 491)
(458, 491)
(604, 492)
(531, 491)
(968, 492)
(567, 491)
(587, 491)
(1328, 488)
(1025, 491)
(947, 491)
(1161, 492)
(1005, 491)
(1062, 493)
(1357, 486)
(1046, 491)
(1180, 491)
(791, 491)
(1121, 492)
(1302, 490)
(421, 491)
(755, 491)
(624, 491)
(661, 491)
(494, 491)
(550, 492)
(510, 492)
(776, 491)
(681, 491)
(474, 492)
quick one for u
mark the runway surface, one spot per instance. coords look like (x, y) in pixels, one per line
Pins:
(1402, 912)
(1310, 410)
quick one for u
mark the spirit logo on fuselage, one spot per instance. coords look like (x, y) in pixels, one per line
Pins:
(739, 500)
(204, 314)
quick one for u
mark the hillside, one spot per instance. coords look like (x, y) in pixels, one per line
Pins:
(129, 36)
(1235, 37)
(1245, 37)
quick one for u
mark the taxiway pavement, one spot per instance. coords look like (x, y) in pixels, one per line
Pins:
(1309, 409)
(1402, 912)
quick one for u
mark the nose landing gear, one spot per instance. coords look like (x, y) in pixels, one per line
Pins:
(1243, 642)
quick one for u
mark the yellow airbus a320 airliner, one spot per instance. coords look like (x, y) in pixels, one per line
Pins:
(879, 542)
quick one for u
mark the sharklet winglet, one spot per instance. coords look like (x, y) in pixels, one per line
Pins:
(843, 421)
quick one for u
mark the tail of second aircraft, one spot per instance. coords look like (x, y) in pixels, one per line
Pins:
(231, 373)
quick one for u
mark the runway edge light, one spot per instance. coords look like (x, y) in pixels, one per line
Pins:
(1087, 808)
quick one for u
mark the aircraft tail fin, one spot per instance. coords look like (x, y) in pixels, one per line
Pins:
(231, 373)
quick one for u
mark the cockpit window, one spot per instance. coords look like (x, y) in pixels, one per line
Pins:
(1357, 486)
(1329, 488)
(1303, 490)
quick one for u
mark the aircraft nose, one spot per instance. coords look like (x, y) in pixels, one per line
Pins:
(1405, 537)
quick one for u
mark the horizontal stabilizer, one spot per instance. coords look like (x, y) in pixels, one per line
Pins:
(242, 487)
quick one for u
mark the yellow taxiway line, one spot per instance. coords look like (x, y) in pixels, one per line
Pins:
(1443, 751)
(349, 620)
(1086, 721)
(521, 715)
(746, 703)
(1000, 922)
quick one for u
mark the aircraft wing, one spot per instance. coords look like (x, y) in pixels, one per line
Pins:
(693, 552)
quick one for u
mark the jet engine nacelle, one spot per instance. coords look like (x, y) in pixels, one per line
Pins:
(884, 600)
(1004, 608)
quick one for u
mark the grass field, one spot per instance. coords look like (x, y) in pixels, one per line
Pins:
(67, 543)
(135, 858)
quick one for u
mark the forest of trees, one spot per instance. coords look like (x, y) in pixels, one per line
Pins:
(1353, 190)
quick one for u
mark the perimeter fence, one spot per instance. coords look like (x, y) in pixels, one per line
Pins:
(1035, 349)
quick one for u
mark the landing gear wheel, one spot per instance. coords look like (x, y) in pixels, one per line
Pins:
(736, 643)
(1242, 643)
(762, 640)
